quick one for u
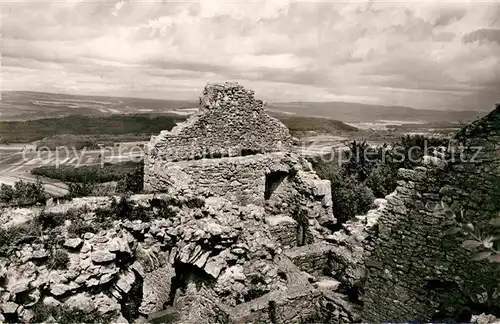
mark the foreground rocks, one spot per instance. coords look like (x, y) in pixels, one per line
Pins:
(140, 266)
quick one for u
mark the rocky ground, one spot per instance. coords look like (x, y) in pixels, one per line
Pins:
(86, 256)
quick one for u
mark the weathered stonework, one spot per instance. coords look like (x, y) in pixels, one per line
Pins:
(223, 148)
(400, 264)
(244, 235)
(231, 122)
(209, 250)
(234, 149)
(431, 276)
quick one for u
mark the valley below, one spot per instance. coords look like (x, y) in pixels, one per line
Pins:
(96, 130)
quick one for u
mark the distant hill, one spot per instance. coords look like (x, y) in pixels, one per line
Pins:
(32, 130)
(24, 105)
(356, 112)
(78, 130)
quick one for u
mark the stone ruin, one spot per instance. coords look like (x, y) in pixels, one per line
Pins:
(235, 150)
(230, 220)
(232, 148)
(236, 228)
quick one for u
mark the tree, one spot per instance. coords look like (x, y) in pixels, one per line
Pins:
(133, 181)
(23, 193)
(6, 193)
(80, 189)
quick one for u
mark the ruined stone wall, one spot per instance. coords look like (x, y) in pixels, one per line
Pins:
(284, 230)
(297, 303)
(416, 273)
(168, 242)
(312, 258)
(230, 177)
(259, 169)
(209, 250)
(231, 122)
(129, 257)
(245, 180)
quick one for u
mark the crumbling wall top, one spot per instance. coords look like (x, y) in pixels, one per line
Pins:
(228, 97)
(231, 122)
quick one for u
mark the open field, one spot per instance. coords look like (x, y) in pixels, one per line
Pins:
(26, 105)
(16, 164)
(356, 112)
(32, 130)
(84, 123)
(94, 130)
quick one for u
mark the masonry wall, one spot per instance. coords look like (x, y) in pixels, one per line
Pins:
(231, 177)
(298, 192)
(416, 273)
(311, 258)
(231, 122)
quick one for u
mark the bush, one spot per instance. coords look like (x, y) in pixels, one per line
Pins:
(382, 180)
(410, 149)
(80, 189)
(378, 167)
(121, 209)
(23, 193)
(6, 193)
(79, 227)
(350, 198)
(133, 181)
(12, 237)
(60, 260)
(50, 220)
(63, 315)
(362, 160)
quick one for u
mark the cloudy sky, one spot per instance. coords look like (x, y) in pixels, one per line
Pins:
(423, 54)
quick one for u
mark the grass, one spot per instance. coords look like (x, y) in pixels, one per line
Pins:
(303, 124)
(32, 130)
(88, 131)
(64, 315)
(13, 237)
(59, 260)
(79, 142)
(88, 173)
(23, 194)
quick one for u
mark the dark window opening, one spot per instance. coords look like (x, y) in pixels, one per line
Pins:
(273, 181)
(246, 152)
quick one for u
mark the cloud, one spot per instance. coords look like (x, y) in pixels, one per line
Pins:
(118, 6)
(430, 54)
(488, 35)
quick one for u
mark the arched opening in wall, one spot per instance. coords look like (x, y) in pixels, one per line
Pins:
(273, 181)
